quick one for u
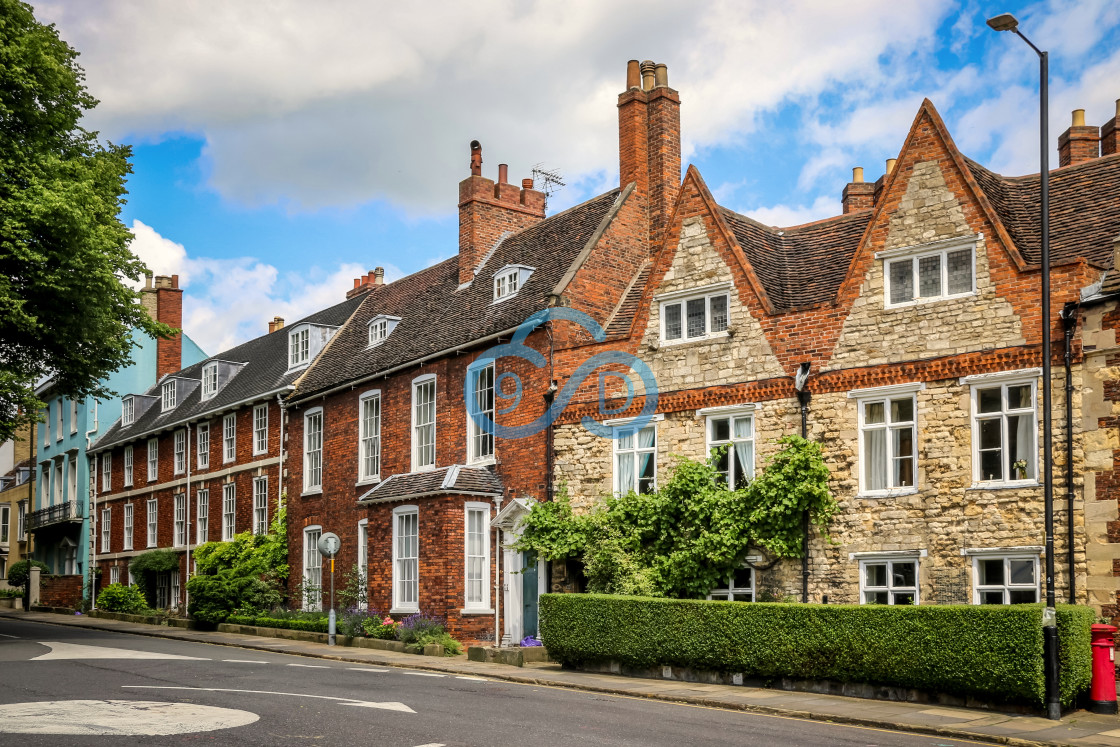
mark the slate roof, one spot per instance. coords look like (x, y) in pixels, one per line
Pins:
(455, 479)
(1084, 209)
(265, 371)
(436, 314)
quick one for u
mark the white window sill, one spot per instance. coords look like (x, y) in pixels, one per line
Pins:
(229, 461)
(1004, 485)
(691, 340)
(429, 468)
(313, 491)
(368, 481)
(404, 610)
(473, 611)
(128, 485)
(260, 453)
(487, 462)
(893, 493)
(921, 301)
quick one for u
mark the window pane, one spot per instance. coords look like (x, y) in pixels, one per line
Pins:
(990, 437)
(876, 597)
(989, 400)
(873, 413)
(991, 571)
(646, 438)
(625, 471)
(721, 429)
(903, 441)
(1022, 571)
(875, 574)
(904, 597)
(719, 313)
(875, 459)
(991, 597)
(1020, 440)
(696, 312)
(626, 440)
(1022, 596)
(741, 596)
(929, 276)
(1019, 397)
(723, 460)
(741, 578)
(743, 457)
(902, 574)
(990, 467)
(959, 267)
(673, 322)
(902, 410)
(902, 280)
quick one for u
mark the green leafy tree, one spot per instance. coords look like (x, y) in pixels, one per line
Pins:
(685, 538)
(65, 309)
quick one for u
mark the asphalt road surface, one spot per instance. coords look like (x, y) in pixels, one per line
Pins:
(67, 686)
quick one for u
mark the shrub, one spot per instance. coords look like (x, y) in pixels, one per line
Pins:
(10, 593)
(994, 653)
(120, 598)
(316, 625)
(414, 627)
(20, 571)
(384, 628)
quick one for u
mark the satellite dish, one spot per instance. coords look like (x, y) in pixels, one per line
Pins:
(802, 377)
(329, 545)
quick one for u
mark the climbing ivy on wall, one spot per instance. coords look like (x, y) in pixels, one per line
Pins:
(684, 539)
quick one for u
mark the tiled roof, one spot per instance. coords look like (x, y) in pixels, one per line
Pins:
(1084, 209)
(436, 314)
(265, 371)
(624, 314)
(455, 479)
(802, 265)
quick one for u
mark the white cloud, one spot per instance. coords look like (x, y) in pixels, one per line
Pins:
(229, 301)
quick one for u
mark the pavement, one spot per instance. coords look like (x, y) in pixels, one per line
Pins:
(1076, 728)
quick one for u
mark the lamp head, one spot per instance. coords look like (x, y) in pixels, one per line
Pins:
(802, 376)
(1004, 22)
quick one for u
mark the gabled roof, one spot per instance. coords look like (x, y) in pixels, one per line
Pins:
(453, 480)
(265, 372)
(437, 315)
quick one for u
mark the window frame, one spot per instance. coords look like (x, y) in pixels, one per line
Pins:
(637, 451)
(73, 416)
(681, 299)
(168, 395)
(885, 394)
(229, 511)
(179, 462)
(310, 553)
(363, 562)
(313, 457)
(728, 592)
(260, 505)
(209, 381)
(202, 516)
(475, 434)
(202, 445)
(106, 474)
(731, 414)
(890, 589)
(369, 443)
(481, 604)
(153, 522)
(418, 384)
(914, 254)
(1007, 555)
(299, 347)
(399, 605)
(59, 425)
(153, 459)
(260, 429)
(1003, 380)
(384, 326)
(115, 574)
(128, 465)
(179, 526)
(106, 528)
(129, 532)
(128, 410)
(229, 438)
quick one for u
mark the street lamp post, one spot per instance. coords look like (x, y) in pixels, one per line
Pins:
(1008, 22)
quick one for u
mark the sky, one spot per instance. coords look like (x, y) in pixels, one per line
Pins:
(283, 148)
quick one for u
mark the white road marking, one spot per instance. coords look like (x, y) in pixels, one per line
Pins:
(118, 718)
(79, 651)
(5, 635)
(433, 744)
(472, 679)
(425, 674)
(243, 661)
(366, 669)
(389, 705)
(309, 666)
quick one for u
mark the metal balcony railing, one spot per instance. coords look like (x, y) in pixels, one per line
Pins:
(53, 515)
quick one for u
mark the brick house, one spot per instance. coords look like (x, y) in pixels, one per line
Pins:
(915, 316)
(196, 457)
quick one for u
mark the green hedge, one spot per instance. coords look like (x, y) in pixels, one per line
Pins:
(990, 652)
(311, 626)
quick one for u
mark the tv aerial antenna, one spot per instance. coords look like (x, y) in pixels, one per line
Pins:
(549, 181)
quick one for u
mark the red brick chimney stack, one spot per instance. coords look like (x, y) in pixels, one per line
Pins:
(164, 303)
(489, 211)
(858, 195)
(1110, 134)
(1079, 143)
(370, 280)
(649, 140)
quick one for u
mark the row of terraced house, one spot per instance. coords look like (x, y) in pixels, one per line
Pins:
(905, 331)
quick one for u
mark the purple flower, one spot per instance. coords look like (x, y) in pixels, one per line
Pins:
(530, 641)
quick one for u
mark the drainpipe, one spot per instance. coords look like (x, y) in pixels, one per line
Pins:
(187, 522)
(283, 422)
(1069, 323)
(803, 398)
(92, 509)
(497, 577)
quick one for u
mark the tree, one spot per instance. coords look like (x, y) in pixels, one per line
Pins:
(65, 309)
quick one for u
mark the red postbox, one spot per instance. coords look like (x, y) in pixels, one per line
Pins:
(1102, 695)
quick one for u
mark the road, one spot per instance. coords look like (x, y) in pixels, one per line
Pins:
(61, 685)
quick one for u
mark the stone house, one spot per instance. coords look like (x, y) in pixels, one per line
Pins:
(197, 456)
(915, 315)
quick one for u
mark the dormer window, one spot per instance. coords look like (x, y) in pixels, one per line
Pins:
(932, 272)
(168, 395)
(509, 280)
(299, 347)
(128, 411)
(209, 380)
(380, 327)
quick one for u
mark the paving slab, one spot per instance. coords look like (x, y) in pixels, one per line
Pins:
(985, 725)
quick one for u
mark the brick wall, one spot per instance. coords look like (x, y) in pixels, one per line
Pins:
(60, 591)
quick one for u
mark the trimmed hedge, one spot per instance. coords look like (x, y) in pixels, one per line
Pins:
(989, 652)
(311, 626)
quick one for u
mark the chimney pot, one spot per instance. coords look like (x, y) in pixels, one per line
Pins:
(526, 183)
(148, 275)
(1078, 117)
(503, 173)
(357, 282)
(634, 75)
(857, 175)
(1079, 143)
(378, 275)
(890, 165)
(649, 72)
(1110, 134)
(174, 281)
(476, 158)
(661, 76)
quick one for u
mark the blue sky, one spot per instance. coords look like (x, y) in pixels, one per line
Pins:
(280, 153)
